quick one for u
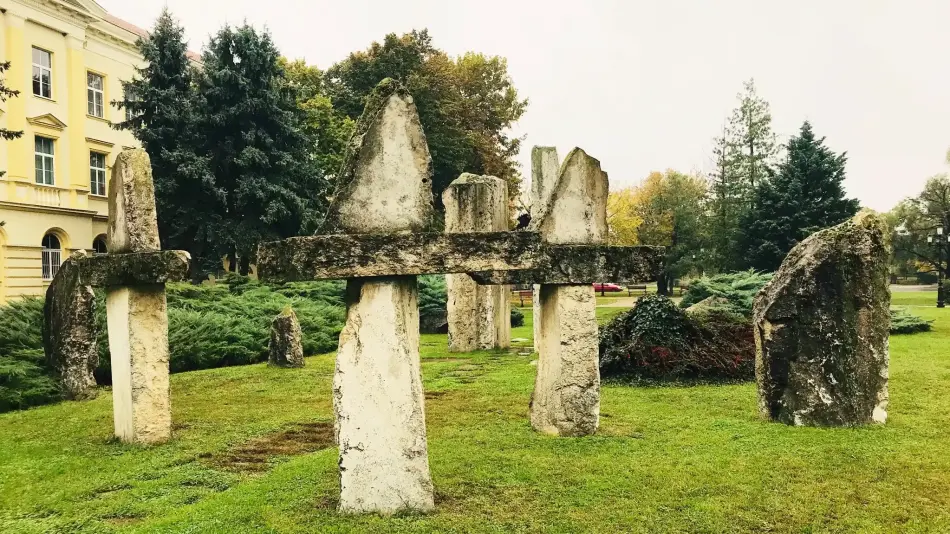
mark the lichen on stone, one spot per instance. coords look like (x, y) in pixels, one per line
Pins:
(69, 330)
(821, 328)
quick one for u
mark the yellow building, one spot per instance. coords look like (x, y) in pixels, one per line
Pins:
(68, 58)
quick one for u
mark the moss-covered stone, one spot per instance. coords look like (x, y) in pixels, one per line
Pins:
(821, 329)
(133, 223)
(135, 269)
(286, 340)
(69, 330)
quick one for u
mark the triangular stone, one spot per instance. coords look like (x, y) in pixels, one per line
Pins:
(386, 182)
(577, 209)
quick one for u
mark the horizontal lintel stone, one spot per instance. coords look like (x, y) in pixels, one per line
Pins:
(135, 268)
(583, 264)
(498, 257)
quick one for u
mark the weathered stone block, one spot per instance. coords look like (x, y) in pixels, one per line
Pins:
(386, 182)
(286, 341)
(69, 330)
(137, 268)
(821, 329)
(544, 171)
(479, 316)
(566, 399)
(133, 226)
(584, 264)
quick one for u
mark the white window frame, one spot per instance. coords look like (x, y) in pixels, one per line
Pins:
(48, 70)
(95, 96)
(52, 258)
(97, 175)
(44, 162)
(129, 115)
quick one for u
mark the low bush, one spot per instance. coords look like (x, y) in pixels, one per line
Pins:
(517, 318)
(739, 288)
(658, 341)
(24, 379)
(904, 322)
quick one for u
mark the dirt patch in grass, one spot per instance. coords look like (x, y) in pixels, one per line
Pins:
(253, 456)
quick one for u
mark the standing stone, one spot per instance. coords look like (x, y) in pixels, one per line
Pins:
(137, 315)
(286, 340)
(566, 399)
(821, 329)
(69, 331)
(479, 316)
(385, 187)
(544, 172)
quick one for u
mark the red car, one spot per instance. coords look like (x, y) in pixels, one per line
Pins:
(607, 288)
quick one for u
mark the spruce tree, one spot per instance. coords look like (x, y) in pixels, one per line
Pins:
(257, 150)
(804, 196)
(161, 109)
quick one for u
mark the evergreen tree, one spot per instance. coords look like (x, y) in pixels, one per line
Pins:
(804, 196)
(745, 155)
(257, 151)
(161, 106)
(6, 93)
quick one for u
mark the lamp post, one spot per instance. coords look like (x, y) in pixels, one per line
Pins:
(939, 242)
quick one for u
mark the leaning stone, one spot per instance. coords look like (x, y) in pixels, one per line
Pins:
(821, 329)
(479, 316)
(69, 331)
(286, 340)
(566, 398)
(385, 187)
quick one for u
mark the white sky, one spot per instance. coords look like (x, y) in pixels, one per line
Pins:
(645, 85)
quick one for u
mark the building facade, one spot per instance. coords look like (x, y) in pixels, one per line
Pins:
(68, 59)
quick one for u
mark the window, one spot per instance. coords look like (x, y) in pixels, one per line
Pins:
(129, 97)
(97, 173)
(44, 160)
(94, 95)
(52, 256)
(99, 245)
(42, 73)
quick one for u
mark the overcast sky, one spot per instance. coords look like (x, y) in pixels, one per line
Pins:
(646, 85)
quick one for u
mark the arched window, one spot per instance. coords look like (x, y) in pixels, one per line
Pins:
(52, 256)
(99, 245)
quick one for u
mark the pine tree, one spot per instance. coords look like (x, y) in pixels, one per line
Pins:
(6, 93)
(161, 108)
(257, 150)
(726, 202)
(757, 148)
(804, 196)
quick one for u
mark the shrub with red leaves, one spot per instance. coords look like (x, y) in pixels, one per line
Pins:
(656, 340)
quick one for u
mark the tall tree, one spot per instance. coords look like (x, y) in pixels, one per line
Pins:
(916, 219)
(805, 195)
(623, 220)
(257, 149)
(671, 206)
(7, 93)
(745, 155)
(162, 108)
(466, 105)
(328, 129)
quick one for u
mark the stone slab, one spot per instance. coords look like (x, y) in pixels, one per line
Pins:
(69, 330)
(137, 268)
(584, 264)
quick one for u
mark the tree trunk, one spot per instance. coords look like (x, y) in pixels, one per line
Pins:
(244, 265)
(662, 285)
(232, 261)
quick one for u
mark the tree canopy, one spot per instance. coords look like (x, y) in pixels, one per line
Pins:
(805, 195)
(466, 104)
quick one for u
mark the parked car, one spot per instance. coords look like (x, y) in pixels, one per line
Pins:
(607, 288)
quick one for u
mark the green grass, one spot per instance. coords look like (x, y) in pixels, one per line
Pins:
(667, 459)
(914, 298)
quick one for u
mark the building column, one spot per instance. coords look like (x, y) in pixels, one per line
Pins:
(18, 78)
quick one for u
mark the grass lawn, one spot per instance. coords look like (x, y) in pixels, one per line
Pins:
(251, 454)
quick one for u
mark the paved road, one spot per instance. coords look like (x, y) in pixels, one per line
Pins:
(898, 289)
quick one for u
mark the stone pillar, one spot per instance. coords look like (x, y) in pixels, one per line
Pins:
(286, 340)
(479, 316)
(566, 398)
(385, 187)
(544, 170)
(137, 318)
